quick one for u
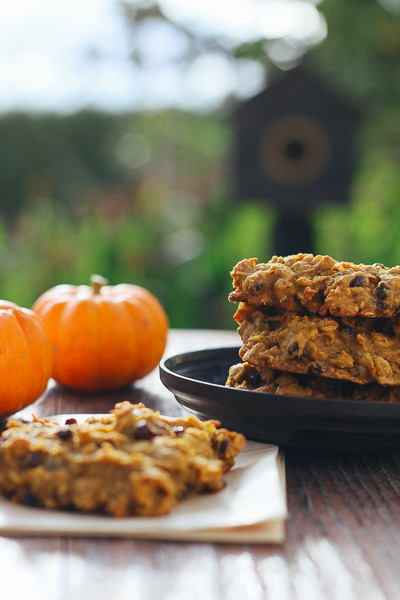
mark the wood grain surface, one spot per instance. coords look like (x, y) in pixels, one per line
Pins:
(342, 542)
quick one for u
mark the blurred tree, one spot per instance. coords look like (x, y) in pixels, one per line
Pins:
(361, 51)
(54, 156)
(276, 34)
(146, 197)
(361, 55)
(355, 46)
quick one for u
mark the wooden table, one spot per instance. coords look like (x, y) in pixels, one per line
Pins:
(343, 531)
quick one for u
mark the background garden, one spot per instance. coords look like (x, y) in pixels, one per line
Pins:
(147, 196)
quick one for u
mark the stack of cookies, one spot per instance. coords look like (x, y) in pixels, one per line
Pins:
(313, 326)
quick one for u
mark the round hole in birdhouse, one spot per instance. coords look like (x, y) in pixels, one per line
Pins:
(294, 149)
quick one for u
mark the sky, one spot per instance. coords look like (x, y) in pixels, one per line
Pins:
(63, 55)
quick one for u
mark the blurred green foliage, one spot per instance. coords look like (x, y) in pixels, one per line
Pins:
(360, 57)
(148, 197)
(140, 198)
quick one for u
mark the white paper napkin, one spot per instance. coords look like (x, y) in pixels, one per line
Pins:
(251, 508)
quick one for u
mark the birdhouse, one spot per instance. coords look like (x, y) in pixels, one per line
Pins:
(294, 144)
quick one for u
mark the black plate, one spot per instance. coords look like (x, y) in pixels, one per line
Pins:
(197, 381)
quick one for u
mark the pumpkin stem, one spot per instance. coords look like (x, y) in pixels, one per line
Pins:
(98, 281)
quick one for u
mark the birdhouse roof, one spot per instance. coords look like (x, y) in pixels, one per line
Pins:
(298, 90)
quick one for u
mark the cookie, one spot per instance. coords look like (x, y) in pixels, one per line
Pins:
(247, 377)
(318, 284)
(130, 462)
(362, 350)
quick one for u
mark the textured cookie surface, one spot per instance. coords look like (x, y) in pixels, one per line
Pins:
(130, 462)
(248, 377)
(318, 284)
(357, 349)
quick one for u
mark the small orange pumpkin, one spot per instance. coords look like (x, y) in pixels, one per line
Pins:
(103, 337)
(25, 358)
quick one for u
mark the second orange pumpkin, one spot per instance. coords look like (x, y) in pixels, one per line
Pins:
(103, 337)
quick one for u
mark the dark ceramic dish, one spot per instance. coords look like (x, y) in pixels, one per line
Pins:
(197, 381)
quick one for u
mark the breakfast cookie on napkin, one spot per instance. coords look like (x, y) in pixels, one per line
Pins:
(131, 462)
